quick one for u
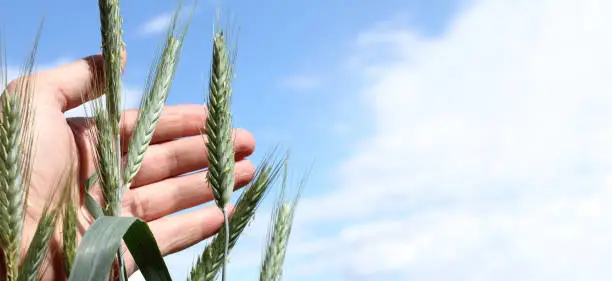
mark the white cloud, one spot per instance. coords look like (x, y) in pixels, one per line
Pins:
(158, 24)
(299, 82)
(490, 156)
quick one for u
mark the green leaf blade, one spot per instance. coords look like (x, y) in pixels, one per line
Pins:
(100, 243)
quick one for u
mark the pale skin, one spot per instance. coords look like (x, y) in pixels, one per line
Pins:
(158, 189)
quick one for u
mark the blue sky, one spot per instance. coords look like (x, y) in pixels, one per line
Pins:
(293, 85)
(463, 140)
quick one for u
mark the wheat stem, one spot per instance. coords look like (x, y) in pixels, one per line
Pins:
(226, 248)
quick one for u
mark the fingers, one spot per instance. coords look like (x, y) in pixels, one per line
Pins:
(166, 159)
(184, 155)
(172, 195)
(175, 233)
(174, 122)
(67, 85)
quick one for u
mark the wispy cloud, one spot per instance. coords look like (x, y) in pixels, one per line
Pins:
(300, 82)
(157, 25)
(490, 158)
(160, 23)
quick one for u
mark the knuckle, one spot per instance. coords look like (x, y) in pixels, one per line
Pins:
(135, 206)
(173, 160)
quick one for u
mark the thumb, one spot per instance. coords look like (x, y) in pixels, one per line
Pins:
(71, 84)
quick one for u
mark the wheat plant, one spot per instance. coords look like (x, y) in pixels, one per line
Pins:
(279, 232)
(92, 256)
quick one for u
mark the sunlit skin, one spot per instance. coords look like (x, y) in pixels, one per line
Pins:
(158, 189)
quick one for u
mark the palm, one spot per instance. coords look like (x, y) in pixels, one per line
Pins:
(157, 191)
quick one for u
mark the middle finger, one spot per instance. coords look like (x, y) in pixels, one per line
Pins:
(173, 158)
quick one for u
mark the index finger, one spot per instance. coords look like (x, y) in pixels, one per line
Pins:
(175, 122)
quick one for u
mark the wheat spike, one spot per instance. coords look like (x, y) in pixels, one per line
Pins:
(156, 92)
(279, 232)
(69, 233)
(108, 118)
(112, 44)
(210, 261)
(12, 198)
(278, 237)
(69, 224)
(109, 177)
(219, 125)
(30, 268)
(16, 142)
(220, 174)
(153, 104)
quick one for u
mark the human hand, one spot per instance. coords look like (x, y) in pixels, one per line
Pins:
(157, 190)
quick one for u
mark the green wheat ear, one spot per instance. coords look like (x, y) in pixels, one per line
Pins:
(108, 118)
(33, 261)
(69, 222)
(108, 113)
(278, 237)
(16, 154)
(211, 260)
(220, 175)
(279, 232)
(156, 92)
(104, 155)
(32, 266)
(112, 45)
(69, 234)
(219, 124)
